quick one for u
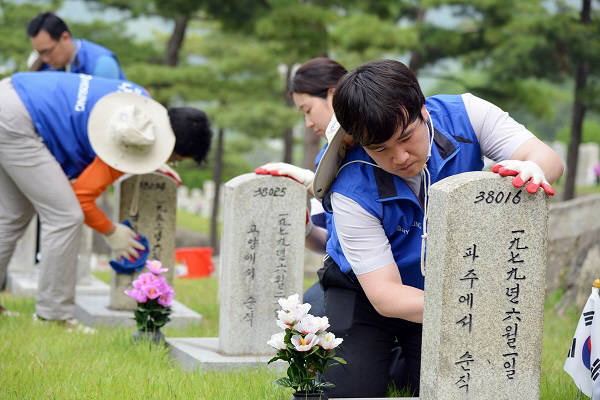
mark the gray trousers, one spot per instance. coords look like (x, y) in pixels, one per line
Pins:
(31, 180)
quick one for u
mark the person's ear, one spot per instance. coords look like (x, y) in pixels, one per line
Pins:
(330, 93)
(65, 36)
(424, 113)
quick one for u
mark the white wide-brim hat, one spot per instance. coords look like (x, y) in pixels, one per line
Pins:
(130, 132)
(332, 158)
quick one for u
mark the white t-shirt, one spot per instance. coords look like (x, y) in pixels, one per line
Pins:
(361, 235)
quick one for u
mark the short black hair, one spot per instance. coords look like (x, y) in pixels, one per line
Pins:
(49, 22)
(192, 132)
(315, 77)
(374, 100)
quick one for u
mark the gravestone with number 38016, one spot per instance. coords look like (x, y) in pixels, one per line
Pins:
(484, 290)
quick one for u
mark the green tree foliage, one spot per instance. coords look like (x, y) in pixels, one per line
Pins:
(555, 41)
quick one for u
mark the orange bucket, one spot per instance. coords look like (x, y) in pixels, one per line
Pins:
(197, 260)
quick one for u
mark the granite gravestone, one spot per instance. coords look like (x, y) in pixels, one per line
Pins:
(484, 290)
(262, 250)
(589, 154)
(149, 202)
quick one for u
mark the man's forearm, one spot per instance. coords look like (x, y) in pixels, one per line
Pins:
(390, 297)
(537, 151)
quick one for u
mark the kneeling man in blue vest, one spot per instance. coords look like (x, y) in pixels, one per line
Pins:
(390, 144)
(63, 139)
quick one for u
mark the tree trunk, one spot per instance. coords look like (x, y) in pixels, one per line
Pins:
(415, 56)
(176, 41)
(579, 110)
(288, 134)
(217, 172)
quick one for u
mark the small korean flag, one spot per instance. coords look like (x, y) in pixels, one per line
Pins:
(583, 359)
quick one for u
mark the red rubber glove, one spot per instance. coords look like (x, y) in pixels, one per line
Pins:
(170, 172)
(524, 172)
(300, 175)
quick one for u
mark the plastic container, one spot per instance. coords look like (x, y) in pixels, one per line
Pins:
(198, 261)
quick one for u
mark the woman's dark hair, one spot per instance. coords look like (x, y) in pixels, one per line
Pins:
(48, 22)
(377, 98)
(315, 77)
(192, 132)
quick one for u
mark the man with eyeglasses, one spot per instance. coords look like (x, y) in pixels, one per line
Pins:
(55, 49)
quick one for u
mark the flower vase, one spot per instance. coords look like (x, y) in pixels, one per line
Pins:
(154, 336)
(309, 396)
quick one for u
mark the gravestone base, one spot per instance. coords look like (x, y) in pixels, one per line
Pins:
(193, 353)
(202, 352)
(26, 284)
(93, 311)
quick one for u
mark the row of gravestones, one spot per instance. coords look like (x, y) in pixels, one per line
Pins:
(486, 261)
(589, 157)
(485, 271)
(198, 201)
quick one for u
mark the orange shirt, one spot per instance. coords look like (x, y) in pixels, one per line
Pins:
(92, 182)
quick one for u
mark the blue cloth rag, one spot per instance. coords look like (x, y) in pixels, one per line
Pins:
(125, 265)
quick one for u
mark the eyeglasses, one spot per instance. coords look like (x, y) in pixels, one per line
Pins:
(48, 51)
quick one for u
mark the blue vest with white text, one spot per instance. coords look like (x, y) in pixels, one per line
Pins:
(388, 198)
(59, 105)
(86, 57)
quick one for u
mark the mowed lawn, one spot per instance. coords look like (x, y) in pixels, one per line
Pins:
(41, 361)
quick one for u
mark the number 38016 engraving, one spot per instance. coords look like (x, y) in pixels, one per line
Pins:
(498, 197)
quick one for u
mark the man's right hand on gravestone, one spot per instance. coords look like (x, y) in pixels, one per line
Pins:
(300, 175)
(524, 172)
(123, 242)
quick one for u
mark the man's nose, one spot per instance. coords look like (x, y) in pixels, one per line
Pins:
(400, 155)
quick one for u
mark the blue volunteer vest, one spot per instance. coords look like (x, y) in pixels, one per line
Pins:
(390, 199)
(59, 105)
(86, 58)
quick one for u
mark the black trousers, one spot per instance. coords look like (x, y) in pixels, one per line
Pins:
(368, 339)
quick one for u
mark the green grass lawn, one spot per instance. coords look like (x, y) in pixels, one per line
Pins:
(41, 361)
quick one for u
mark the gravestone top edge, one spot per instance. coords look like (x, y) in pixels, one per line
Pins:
(453, 182)
(251, 177)
(126, 177)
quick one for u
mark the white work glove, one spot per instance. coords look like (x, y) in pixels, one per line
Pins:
(170, 172)
(122, 242)
(524, 172)
(300, 175)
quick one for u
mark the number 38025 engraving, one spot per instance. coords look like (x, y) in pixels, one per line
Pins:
(498, 197)
(270, 191)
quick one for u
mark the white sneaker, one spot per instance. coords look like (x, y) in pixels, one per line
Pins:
(5, 313)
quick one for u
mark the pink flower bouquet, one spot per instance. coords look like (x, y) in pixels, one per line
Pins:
(154, 297)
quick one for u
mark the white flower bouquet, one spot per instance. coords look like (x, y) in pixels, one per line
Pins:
(305, 345)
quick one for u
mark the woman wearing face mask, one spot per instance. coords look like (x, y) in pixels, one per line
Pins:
(312, 89)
